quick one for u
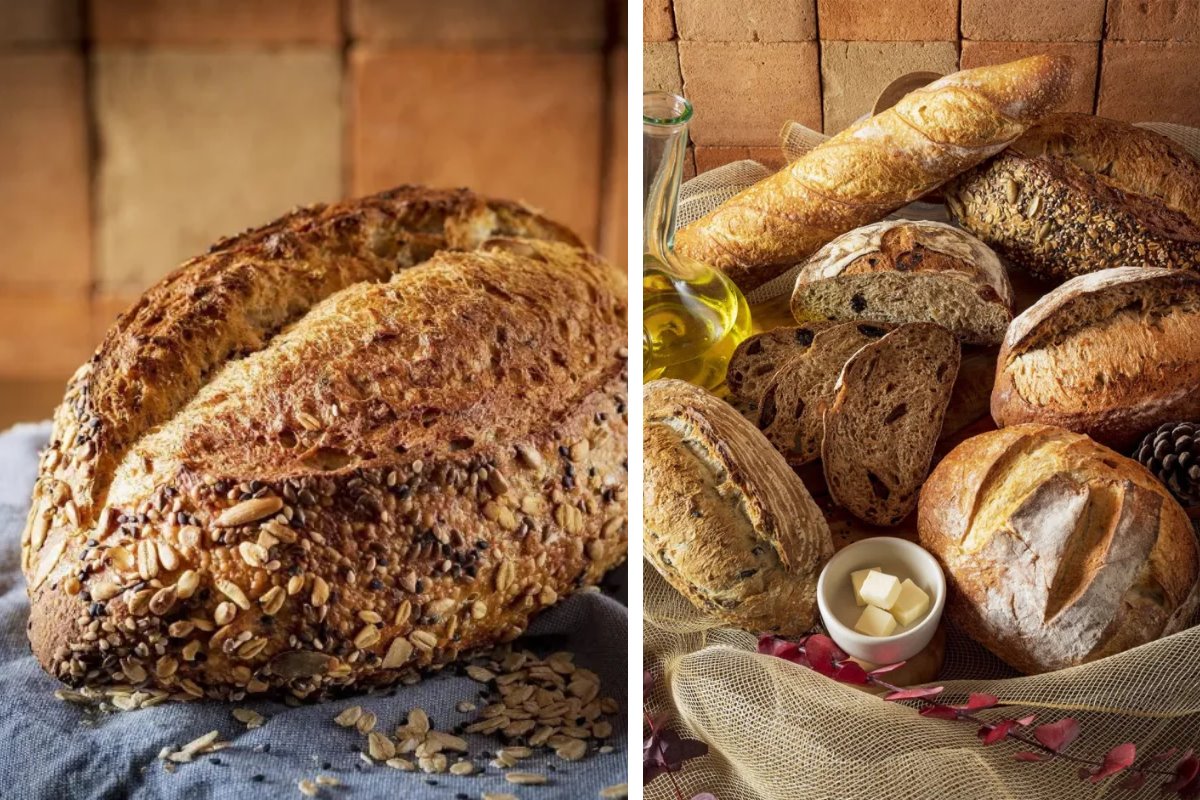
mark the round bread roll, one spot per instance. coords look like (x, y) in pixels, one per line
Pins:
(903, 271)
(1057, 550)
(727, 522)
(1077, 194)
(1112, 354)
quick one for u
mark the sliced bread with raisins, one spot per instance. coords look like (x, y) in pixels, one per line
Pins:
(756, 360)
(790, 411)
(885, 418)
(908, 271)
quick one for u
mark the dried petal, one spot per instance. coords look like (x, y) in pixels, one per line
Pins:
(1120, 757)
(1057, 735)
(915, 693)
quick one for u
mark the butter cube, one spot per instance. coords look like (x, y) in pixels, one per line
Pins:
(857, 577)
(911, 605)
(880, 589)
(875, 622)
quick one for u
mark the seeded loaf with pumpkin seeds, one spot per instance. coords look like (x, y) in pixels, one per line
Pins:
(1079, 193)
(757, 359)
(351, 444)
(727, 522)
(790, 411)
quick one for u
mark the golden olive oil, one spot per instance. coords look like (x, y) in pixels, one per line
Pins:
(691, 322)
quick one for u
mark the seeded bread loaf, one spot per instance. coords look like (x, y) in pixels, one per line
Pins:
(885, 419)
(1112, 354)
(1057, 550)
(874, 167)
(902, 271)
(1078, 194)
(350, 444)
(756, 360)
(791, 407)
(727, 522)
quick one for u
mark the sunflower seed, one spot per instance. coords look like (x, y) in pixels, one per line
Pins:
(248, 511)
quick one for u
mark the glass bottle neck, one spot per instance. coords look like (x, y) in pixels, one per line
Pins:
(664, 144)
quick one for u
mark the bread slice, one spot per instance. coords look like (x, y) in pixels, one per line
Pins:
(790, 411)
(885, 418)
(903, 271)
(756, 360)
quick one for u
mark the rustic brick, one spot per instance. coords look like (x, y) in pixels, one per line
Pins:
(1085, 55)
(517, 124)
(39, 21)
(46, 335)
(1150, 82)
(1033, 20)
(551, 22)
(215, 22)
(854, 73)
(658, 21)
(708, 158)
(891, 21)
(660, 67)
(29, 400)
(1154, 20)
(689, 163)
(743, 93)
(197, 145)
(44, 207)
(746, 20)
(614, 226)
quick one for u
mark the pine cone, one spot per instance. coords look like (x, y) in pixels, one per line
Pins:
(1172, 453)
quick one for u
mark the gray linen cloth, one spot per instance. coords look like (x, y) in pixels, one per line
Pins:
(58, 750)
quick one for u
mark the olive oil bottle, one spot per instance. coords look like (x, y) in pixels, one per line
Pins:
(693, 316)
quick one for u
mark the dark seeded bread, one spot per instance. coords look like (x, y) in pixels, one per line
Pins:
(359, 442)
(1052, 218)
(756, 360)
(793, 402)
(885, 419)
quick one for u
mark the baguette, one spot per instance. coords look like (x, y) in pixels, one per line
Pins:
(351, 444)
(1057, 551)
(1112, 354)
(874, 167)
(727, 522)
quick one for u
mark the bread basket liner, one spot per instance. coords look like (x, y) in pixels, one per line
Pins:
(777, 731)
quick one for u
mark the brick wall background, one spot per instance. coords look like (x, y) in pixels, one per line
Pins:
(134, 133)
(749, 65)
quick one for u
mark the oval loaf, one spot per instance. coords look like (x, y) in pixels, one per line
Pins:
(727, 522)
(1079, 193)
(1112, 354)
(350, 444)
(1057, 550)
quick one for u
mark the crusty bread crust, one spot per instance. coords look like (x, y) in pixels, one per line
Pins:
(1055, 220)
(727, 522)
(1057, 550)
(874, 167)
(902, 271)
(1111, 354)
(356, 442)
(1131, 158)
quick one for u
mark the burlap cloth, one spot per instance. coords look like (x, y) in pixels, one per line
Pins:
(777, 731)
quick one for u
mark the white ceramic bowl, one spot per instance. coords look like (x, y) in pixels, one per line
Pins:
(835, 597)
